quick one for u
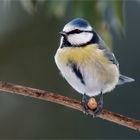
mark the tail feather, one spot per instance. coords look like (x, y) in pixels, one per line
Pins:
(124, 79)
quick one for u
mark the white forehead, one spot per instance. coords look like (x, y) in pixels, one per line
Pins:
(69, 27)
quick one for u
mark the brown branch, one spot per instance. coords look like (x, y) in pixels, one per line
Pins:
(49, 96)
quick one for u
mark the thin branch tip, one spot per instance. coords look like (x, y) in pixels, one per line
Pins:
(72, 103)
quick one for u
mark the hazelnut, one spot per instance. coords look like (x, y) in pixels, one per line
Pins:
(92, 104)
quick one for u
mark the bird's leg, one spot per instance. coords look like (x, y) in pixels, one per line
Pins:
(99, 106)
(84, 102)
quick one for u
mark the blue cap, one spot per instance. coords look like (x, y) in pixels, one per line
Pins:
(79, 22)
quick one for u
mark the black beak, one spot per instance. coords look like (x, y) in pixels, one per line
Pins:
(63, 33)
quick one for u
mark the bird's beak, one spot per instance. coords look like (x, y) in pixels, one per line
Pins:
(63, 33)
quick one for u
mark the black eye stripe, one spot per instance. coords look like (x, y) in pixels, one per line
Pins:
(77, 31)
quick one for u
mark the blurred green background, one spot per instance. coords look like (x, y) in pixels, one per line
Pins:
(28, 41)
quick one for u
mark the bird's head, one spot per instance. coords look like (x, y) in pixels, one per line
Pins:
(76, 33)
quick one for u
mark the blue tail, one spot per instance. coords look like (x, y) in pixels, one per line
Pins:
(124, 79)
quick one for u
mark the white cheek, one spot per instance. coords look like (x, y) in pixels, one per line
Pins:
(82, 38)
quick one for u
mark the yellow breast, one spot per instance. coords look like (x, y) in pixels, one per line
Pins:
(81, 55)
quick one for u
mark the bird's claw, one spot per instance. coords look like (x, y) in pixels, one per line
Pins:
(99, 107)
(85, 106)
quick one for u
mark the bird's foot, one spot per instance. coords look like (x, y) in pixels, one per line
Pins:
(99, 107)
(97, 110)
(85, 104)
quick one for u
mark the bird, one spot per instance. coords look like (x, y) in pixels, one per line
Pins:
(86, 63)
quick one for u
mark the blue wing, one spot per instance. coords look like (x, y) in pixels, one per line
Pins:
(111, 57)
(107, 53)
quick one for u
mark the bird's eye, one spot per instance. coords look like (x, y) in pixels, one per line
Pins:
(76, 31)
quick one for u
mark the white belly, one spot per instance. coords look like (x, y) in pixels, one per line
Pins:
(91, 86)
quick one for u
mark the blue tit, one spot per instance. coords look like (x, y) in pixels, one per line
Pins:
(86, 63)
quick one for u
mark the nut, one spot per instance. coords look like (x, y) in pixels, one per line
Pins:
(92, 104)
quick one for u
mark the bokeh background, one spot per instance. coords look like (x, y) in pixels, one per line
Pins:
(28, 41)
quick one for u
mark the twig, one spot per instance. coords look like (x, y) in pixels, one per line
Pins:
(49, 96)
